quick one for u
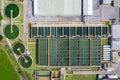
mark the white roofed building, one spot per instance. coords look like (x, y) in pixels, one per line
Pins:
(107, 1)
(112, 77)
(116, 37)
(57, 7)
(87, 7)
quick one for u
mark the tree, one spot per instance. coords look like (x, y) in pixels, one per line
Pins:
(1, 37)
(107, 23)
(1, 17)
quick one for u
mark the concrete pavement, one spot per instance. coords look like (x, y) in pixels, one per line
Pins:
(25, 21)
(116, 71)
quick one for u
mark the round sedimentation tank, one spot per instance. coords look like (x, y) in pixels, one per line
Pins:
(12, 7)
(18, 48)
(25, 61)
(11, 31)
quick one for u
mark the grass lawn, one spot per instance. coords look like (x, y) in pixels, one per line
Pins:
(7, 71)
(1, 37)
(95, 68)
(20, 25)
(30, 70)
(1, 17)
(80, 77)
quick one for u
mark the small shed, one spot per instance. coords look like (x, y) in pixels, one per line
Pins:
(100, 77)
(43, 75)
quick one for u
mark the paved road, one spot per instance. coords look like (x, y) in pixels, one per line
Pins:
(116, 71)
(25, 36)
(2, 12)
(2, 7)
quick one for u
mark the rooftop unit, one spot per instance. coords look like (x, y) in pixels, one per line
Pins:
(107, 1)
(87, 7)
(106, 52)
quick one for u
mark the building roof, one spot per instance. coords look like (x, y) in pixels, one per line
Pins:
(107, 1)
(106, 53)
(87, 7)
(57, 7)
(113, 76)
(100, 77)
(43, 73)
(43, 78)
(116, 2)
(116, 37)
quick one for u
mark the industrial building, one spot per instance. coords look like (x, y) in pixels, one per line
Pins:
(57, 7)
(63, 7)
(116, 37)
